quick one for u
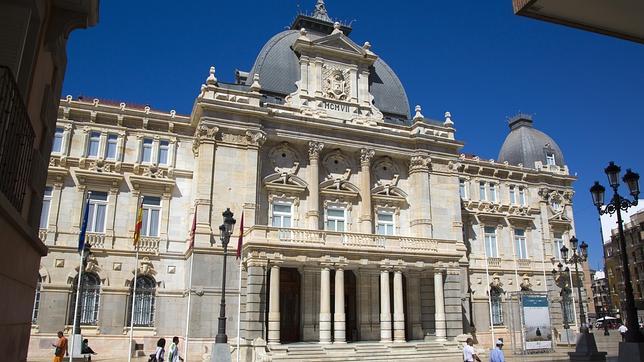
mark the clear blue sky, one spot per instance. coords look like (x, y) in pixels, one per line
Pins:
(476, 60)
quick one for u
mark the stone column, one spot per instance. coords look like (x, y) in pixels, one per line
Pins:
(274, 306)
(339, 318)
(204, 150)
(54, 211)
(255, 299)
(440, 306)
(385, 307)
(366, 219)
(421, 221)
(325, 305)
(399, 311)
(313, 215)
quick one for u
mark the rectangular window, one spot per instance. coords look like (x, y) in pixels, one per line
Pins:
(97, 212)
(282, 214)
(94, 142)
(520, 244)
(522, 199)
(110, 149)
(57, 147)
(335, 219)
(146, 152)
(558, 243)
(550, 159)
(482, 196)
(46, 205)
(513, 196)
(385, 223)
(151, 216)
(462, 189)
(497, 307)
(491, 250)
(164, 148)
(492, 192)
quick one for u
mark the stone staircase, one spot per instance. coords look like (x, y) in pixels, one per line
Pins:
(366, 351)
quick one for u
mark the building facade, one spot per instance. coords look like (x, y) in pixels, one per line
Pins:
(601, 295)
(634, 234)
(33, 59)
(362, 222)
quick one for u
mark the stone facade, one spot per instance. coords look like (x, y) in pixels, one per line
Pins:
(356, 227)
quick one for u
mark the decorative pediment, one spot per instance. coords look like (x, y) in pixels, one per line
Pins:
(339, 41)
(148, 184)
(100, 179)
(339, 187)
(285, 182)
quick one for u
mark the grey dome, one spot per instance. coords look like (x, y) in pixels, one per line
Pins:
(278, 68)
(526, 145)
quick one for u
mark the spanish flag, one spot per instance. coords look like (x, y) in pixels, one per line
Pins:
(139, 224)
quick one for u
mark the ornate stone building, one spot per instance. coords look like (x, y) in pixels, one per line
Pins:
(362, 222)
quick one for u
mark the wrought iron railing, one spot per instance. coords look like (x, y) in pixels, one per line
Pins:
(16, 140)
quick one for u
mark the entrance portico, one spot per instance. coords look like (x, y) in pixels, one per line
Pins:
(336, 303)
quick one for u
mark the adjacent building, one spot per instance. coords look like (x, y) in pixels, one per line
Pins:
(33, 58)
(362, 221)
(634, 235)
(601, 295)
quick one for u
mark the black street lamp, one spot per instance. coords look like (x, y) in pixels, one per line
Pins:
(565, 273)
(615, 206)
(579, 255)
(221, 351)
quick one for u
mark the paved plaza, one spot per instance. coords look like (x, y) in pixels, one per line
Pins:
(609, 344)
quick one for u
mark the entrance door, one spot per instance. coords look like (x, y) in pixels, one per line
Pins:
(350, 306)
(289, 305)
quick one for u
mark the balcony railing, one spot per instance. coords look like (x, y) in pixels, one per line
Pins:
(350, 240)
(149, 244)
(494, 262)
(96, 240)
(16, 140)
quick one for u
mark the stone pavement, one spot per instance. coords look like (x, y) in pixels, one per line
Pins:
(608, 344)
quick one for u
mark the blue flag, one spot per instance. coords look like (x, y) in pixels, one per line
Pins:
(81, 235)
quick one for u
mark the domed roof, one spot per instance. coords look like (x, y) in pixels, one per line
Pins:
(278, 68)
(526, 145)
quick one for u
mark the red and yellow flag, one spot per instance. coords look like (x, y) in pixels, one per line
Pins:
(139, 224)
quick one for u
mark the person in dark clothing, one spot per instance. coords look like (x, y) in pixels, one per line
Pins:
(86, 349)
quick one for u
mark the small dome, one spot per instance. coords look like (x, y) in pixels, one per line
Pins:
(278, 68)
(527, 145)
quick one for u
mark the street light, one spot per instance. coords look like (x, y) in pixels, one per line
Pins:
(579, 255)
(221, 351)
(615, 206)
(565, 273)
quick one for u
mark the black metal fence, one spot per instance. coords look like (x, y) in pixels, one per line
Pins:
(16, 140)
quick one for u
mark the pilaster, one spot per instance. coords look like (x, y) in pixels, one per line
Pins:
(421, 218)
(366, 217)
(313, 214)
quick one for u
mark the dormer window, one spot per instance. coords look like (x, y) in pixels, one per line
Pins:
(550, 159)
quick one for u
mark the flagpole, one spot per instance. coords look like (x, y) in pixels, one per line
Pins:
(185, 347)
(78, 291)
(81, 251)
(137, 234)
(239, 307)
(136, 271)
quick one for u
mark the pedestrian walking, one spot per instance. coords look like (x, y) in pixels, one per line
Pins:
(86, 349)
(469, 354)
(496, 355)
(174, 351)
(622, 330)
(61, 348)
(159, 353)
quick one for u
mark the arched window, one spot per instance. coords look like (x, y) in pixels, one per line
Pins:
(144, 302)
(89, 299)
(34, 313)
(566, 306)
(497, 306)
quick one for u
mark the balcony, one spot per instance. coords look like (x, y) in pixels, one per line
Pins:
(494, 262)
(524, 263)
(16, 141)
(149, 244)
(343, 240)
(95, 240)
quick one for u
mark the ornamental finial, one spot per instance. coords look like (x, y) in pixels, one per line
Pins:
(448, 120)
(418, 117)
(320, 11)
(212, 80)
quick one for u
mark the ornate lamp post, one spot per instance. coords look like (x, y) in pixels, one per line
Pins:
(579, 255)
(221, 351)
(615, 206)
(564, 289)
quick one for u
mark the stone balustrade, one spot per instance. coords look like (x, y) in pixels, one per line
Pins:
(347, 240)
(494, 262)
(149, 244)
(96, 240)
(524, 263)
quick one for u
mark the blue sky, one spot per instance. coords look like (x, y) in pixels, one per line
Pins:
(475, 59)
